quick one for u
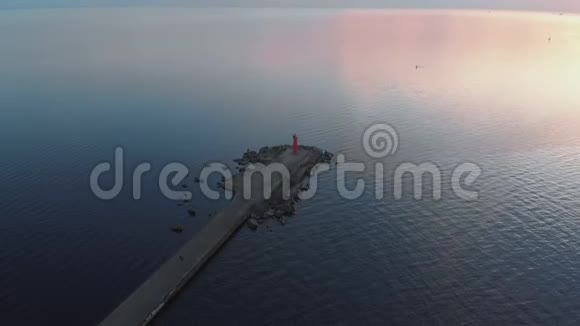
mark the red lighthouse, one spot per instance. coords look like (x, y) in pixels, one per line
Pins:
(295, 143)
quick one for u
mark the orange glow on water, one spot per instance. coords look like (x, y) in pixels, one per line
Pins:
(518, 70)
(497, 58)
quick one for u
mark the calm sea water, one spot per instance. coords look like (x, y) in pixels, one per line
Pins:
(188, 85)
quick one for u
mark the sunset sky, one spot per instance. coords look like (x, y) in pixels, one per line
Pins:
(543, 5)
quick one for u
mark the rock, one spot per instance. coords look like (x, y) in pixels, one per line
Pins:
(253, 224)
(288, 210)
(326, 157)
(250, 156)
(269, 213)
(191, 212)
(243, 161)
(178, 228)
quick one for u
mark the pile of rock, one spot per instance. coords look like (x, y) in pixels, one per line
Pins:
(277, 208)
(326, 157)
(263, 156)
(280, 212)
(266, 154)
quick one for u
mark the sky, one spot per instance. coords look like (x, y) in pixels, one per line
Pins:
(541, 5)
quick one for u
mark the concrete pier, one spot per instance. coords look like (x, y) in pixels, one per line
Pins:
(147, 300)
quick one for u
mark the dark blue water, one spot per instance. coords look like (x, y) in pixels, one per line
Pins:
(195, 86)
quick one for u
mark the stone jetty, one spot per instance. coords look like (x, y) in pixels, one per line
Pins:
(147, 300)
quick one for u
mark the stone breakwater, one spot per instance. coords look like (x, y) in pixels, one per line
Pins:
(277, 207)
(140, 307)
